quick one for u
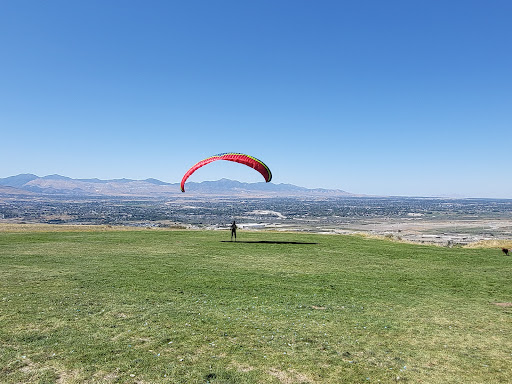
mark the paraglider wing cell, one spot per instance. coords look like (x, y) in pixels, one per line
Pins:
(241, 158)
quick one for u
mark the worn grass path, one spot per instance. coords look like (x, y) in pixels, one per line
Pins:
(186, 307)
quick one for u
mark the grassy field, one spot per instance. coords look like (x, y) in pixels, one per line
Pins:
(149, 306)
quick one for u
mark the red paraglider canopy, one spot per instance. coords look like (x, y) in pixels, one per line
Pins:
(231, 156)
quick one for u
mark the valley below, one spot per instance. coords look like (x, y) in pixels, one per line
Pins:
(446, 222)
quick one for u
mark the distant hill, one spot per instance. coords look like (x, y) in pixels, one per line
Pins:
(18, 181)
(62, 185)
(226, 185)
(12, 191)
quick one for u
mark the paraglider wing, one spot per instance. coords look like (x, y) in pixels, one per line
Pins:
(241, 158)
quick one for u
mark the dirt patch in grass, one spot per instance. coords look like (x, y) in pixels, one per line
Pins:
(290, 376)
(242, 367)
(503, 305)
(69, 376)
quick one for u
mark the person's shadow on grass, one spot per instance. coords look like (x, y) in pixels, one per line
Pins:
(268, 242)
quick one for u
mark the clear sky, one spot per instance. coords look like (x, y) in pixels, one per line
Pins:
(376, 97)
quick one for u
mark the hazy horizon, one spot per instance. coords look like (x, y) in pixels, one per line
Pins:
(177, 183)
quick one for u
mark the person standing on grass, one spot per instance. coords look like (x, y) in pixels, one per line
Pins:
(233, 230)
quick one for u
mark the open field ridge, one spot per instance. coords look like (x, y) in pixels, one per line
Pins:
(178, 306)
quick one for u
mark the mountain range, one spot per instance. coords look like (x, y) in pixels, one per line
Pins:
(62, 185)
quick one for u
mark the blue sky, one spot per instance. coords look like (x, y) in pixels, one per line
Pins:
(376, 97)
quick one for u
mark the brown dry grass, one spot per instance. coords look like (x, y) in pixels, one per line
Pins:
(40, 227)
(289, 376)
(491, 244)
(503, 305)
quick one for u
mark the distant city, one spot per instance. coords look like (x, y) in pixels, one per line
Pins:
(254, 206)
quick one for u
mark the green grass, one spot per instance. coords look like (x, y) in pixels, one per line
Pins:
(185, 307)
